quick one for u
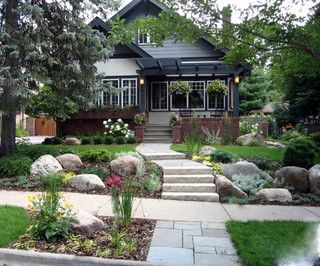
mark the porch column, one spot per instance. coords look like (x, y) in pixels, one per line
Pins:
(236, 100)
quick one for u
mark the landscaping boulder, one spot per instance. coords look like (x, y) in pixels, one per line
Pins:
(247, 139)
(294, 176)
(126, 165)
(274, 194)
(243, 168)
(86, 182)
(70, 162)
(274, 144)
(206, 150)
(86, 224)
(226, 188)
(314, 179)
(44, 165)
(72, 142)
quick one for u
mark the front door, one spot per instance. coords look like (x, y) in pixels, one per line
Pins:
(159, 96)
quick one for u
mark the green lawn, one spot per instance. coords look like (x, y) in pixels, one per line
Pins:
(265, 243)
(13, 223)
(274, 154)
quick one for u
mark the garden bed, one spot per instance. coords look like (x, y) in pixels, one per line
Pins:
(97, 245)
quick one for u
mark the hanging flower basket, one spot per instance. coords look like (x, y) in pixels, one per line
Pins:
(180, 87)
(217, 88)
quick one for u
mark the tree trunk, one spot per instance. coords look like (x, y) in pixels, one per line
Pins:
(8, 133)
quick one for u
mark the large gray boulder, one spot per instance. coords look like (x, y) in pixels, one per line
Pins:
(126, 165)
(72, 142)
(70, 162)
(247, 139)
(243, 168)
(226, 188)
(294, 176)
(274, 144)
(314, 179)
(274, 194)
(206, 150)
(44, 165)
(86, 182)
(86, 224)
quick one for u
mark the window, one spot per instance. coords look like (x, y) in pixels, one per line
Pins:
(196, 97)
(216, 103)
(144, 38)
(108, 98)
(129, 95)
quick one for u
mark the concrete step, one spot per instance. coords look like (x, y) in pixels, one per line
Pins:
(206, 178)
(157, 140)
(164, 156)
(189, 187)
(157, 134)
(212, 197)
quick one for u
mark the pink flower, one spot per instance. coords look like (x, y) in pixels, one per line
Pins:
(114, 181)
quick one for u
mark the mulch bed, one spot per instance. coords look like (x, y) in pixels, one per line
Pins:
(97, 245)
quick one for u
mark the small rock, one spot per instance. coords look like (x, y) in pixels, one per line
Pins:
(243, 168)
(44, 165)
(126, 165)
(246, 140)
(314, 179)
(86, 182)
(226, 188)
(70, 162)
(293, 176)
(274, 144)
(206, 150)
(87, 224)
(72, 141)
(274, 194)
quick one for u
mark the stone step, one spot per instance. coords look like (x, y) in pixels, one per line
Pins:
(159, 127)
(189, 187)
(157, 140)
(164, 156)
(212, 197)
(157, 135)
(206, 178)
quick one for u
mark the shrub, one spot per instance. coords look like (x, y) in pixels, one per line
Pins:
(47, 141)
(255, 143)
(51, 216)
(97, 140)
(21, 132)
(222, 157)
(57, 141)
(120, 140)
(128, 153)
(250, 184)
(15, 165)
(180, 87)
(227, 135)
(300, 152)
(95, 156)
(246, 127)
(116, 128)
(131, 140)
(193, 139)
(150, 184)
(36, 151)
(217, 88)
(175, 120)
(315, 137)
(263, 163)
(289, 135)
(86, 140)
(140, 119)
(96, 170)
(109, 140)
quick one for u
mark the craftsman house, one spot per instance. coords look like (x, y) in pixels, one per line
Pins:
(147, 71)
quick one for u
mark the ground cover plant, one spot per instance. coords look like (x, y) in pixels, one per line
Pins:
(13, 223)
(266, 243)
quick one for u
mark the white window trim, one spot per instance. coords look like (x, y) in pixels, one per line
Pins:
(224, 98)
(122, 86)
(167, 109)
(101, 99)
(148, 39)
(187, 95)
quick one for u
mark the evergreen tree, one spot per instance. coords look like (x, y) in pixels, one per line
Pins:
(47, 41)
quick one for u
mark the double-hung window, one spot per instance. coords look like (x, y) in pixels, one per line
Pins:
(216, 102)
(110, 98)
(129, 94)
(144, 38)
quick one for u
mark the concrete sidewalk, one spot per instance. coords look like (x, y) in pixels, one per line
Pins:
(170, 210)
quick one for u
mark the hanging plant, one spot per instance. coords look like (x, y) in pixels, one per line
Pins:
(113, 90)
(180, 87)
(217, 88)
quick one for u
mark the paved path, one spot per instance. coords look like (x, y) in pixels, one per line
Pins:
(160, 209)
(189, 243)
(158, 151)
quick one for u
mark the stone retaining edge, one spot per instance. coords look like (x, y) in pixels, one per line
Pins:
(15, 257)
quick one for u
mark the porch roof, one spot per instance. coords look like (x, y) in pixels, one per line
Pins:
(176, 66)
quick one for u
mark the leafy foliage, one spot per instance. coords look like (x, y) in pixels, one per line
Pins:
(150, 184)
(95, 156)
(98, 140)
(222, 157)
(300, 152)
(180, 87)
(96, 170)
(109, 140)
(217, 88)
(315, 138)
(86, 140)
(15, 165)
(250, 184)
(175, 120)
(140, 119)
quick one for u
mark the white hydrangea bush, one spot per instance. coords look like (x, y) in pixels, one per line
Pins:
(116, 128)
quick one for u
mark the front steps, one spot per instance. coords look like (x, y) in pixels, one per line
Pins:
(187, 180)
(157, 134)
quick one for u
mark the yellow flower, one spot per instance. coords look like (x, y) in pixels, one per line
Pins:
(61, 215)
(46, 217)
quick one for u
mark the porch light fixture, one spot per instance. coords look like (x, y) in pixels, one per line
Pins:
(237, 79)
(141, 81)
